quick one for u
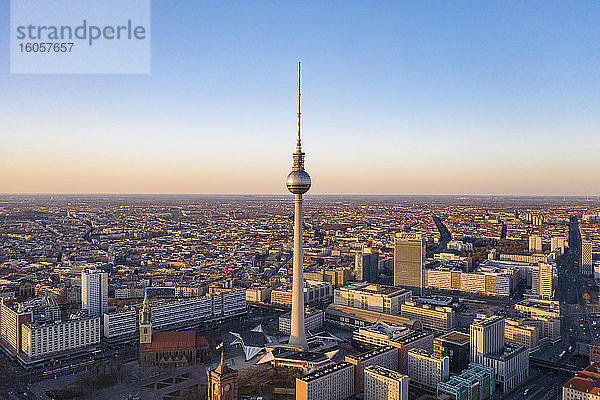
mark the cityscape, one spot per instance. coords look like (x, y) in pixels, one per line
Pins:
(435, 234)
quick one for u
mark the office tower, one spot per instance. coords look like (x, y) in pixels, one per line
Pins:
(385, 384)
(542, 280)
(586, 257)
(94, 292)
(409, 254)
(366, 265)
(427, 369)
(535, 244)
(298, 182)
(487, 336)
(558, 243)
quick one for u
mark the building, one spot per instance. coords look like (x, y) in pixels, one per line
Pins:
(258, 294)
(335, 382)
(586, 257)
(585, 385)
(366, 265)
(179, 313)
(409, 256)
(222, 382)
(313, 321)
(43, 340)
(120, 324)
(13, 316)
(358, 317)
(372, 297)
(594, 352)
(486, 337)
(474, 383)
(439, 318)
(535, 244)
(510, 362)
(558, 243)
(455, 345)
(314, 292)
(534, 308)
(386, 357)
(384, 384)
(543, 277)
(491, 281)
(298, 182)
(427, 369)
(94, 292)
(168, 349)
(522, 332)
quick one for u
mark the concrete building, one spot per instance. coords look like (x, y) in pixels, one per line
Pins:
(372, 297)
(455, 345)
(42, 340)
(386, 357)
(335, 382)
(384, 384)
(409, 257)
(543, 280)
(439, 318)
(120, 324)
(258, 294)
(366, 265)
(535, 244)
(558, 243)
(313, 321)
(487, 337)
(522, 333)
(314, 292)
(427, 369)
(13, 316)
(94, 292)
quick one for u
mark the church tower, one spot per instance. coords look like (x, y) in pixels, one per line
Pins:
(222, 382)
(145, 322)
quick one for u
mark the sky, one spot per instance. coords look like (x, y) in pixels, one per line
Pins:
(433, 97)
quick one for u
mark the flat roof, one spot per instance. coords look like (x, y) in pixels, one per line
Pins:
(456, 338)
(325, 371)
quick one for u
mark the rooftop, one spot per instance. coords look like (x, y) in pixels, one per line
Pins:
(325, 371)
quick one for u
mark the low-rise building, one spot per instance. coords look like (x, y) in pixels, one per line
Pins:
(335, 382)
(313, 321)
(372, 297)
(441, 318)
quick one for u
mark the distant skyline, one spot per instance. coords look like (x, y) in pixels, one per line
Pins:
(413, 98)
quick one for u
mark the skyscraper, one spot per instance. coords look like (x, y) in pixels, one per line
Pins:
(298, 183)
(366, 265)
(94, 292)
(409, 254)
(487, 337)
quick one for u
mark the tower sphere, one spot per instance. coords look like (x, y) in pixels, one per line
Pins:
(298, 182)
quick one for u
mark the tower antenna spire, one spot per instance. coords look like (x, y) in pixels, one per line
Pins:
(299, 144)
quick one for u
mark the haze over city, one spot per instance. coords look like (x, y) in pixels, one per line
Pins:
(439, 98)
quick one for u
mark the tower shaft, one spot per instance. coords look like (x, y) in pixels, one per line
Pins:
(298, 334)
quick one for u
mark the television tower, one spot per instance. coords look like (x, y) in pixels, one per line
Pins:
(298, 182)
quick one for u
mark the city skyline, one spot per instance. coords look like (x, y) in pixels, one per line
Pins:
(442, 99)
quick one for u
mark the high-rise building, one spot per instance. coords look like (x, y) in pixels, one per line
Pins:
(427, 369)
(298, 182)
(386, 357)
(409, 256)
(543, 277)
(535, 244)
(94, 292)
(455, 345)
(558, 243)
(385, 384)
(366, 265)
(586, 257)
(487, 336)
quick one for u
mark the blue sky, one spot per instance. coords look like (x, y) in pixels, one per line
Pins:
(398, 97)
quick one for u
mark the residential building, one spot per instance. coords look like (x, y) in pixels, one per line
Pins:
(386, 357)
(335, 382)
(313, 321)
(94, 292)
